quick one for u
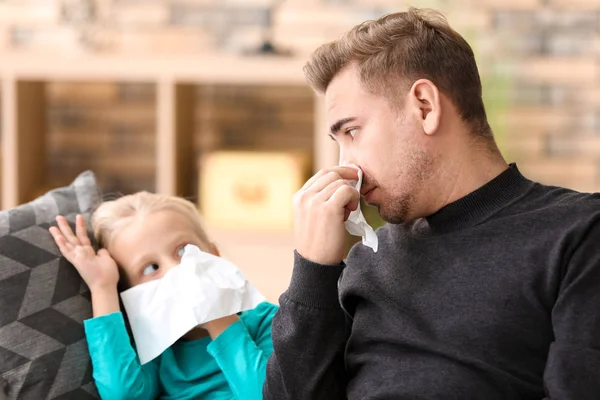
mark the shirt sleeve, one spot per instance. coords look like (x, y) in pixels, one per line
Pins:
(574, 356)
(243, 359)
(116, 367)
(310, 332)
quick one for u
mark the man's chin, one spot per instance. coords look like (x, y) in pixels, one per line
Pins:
(393, 216)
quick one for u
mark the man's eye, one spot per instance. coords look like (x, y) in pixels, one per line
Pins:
(150, 269)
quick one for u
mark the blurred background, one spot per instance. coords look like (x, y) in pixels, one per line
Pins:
(206, 99)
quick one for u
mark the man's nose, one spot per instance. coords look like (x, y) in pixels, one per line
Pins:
(345, 157)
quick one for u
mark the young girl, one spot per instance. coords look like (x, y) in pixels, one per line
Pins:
(141, 237)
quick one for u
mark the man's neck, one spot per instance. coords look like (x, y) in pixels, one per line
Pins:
(465, 173)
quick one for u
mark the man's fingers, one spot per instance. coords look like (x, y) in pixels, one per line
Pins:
(313, 179)
(346, 214)
(342, 175)
(328, 191)
(339, 172)
(348, 173)
(346, 197)
(325, 181)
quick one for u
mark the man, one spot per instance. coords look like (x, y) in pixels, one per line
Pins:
(486, 285)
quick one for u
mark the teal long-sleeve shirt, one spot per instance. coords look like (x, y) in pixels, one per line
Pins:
(233, 366)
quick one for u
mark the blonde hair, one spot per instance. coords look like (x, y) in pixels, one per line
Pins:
(397, 49)
(113, 215)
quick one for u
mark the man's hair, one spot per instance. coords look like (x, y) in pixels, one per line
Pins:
(397, 49)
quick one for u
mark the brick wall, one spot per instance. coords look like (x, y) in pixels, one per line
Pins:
(106, 127)
(538, 60)
(552, 125)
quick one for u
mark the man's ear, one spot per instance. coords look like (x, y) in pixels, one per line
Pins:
(426, 99)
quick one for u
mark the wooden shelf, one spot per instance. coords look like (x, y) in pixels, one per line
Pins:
(24, 78)
(209, 69)
(266, 258)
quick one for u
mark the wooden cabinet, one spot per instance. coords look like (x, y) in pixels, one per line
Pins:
(264, 256)
(24, 79)
(251, 190)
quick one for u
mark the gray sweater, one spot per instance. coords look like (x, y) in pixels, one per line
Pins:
(496, 296)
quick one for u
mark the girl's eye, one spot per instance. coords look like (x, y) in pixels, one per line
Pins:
(352, 132)
(150, 269)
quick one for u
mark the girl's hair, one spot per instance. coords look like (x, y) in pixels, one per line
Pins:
(113, 215)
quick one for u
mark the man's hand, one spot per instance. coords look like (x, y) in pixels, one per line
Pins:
(320, 209)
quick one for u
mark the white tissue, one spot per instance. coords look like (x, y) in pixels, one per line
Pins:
(202, 288)
(356, 224)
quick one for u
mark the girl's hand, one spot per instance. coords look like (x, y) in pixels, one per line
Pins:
(98, 270)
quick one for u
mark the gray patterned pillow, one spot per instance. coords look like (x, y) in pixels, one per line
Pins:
(43, 301)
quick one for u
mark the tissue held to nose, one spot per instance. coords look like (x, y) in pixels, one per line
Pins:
(356, 224)
(202, 288)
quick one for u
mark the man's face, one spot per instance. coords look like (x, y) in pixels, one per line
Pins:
(386, 142)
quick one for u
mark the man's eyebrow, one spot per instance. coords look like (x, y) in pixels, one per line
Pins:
(338, 125)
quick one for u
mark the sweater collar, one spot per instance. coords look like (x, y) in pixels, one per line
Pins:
(477, 205)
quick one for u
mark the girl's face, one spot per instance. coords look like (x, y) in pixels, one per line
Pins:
(148, 247)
